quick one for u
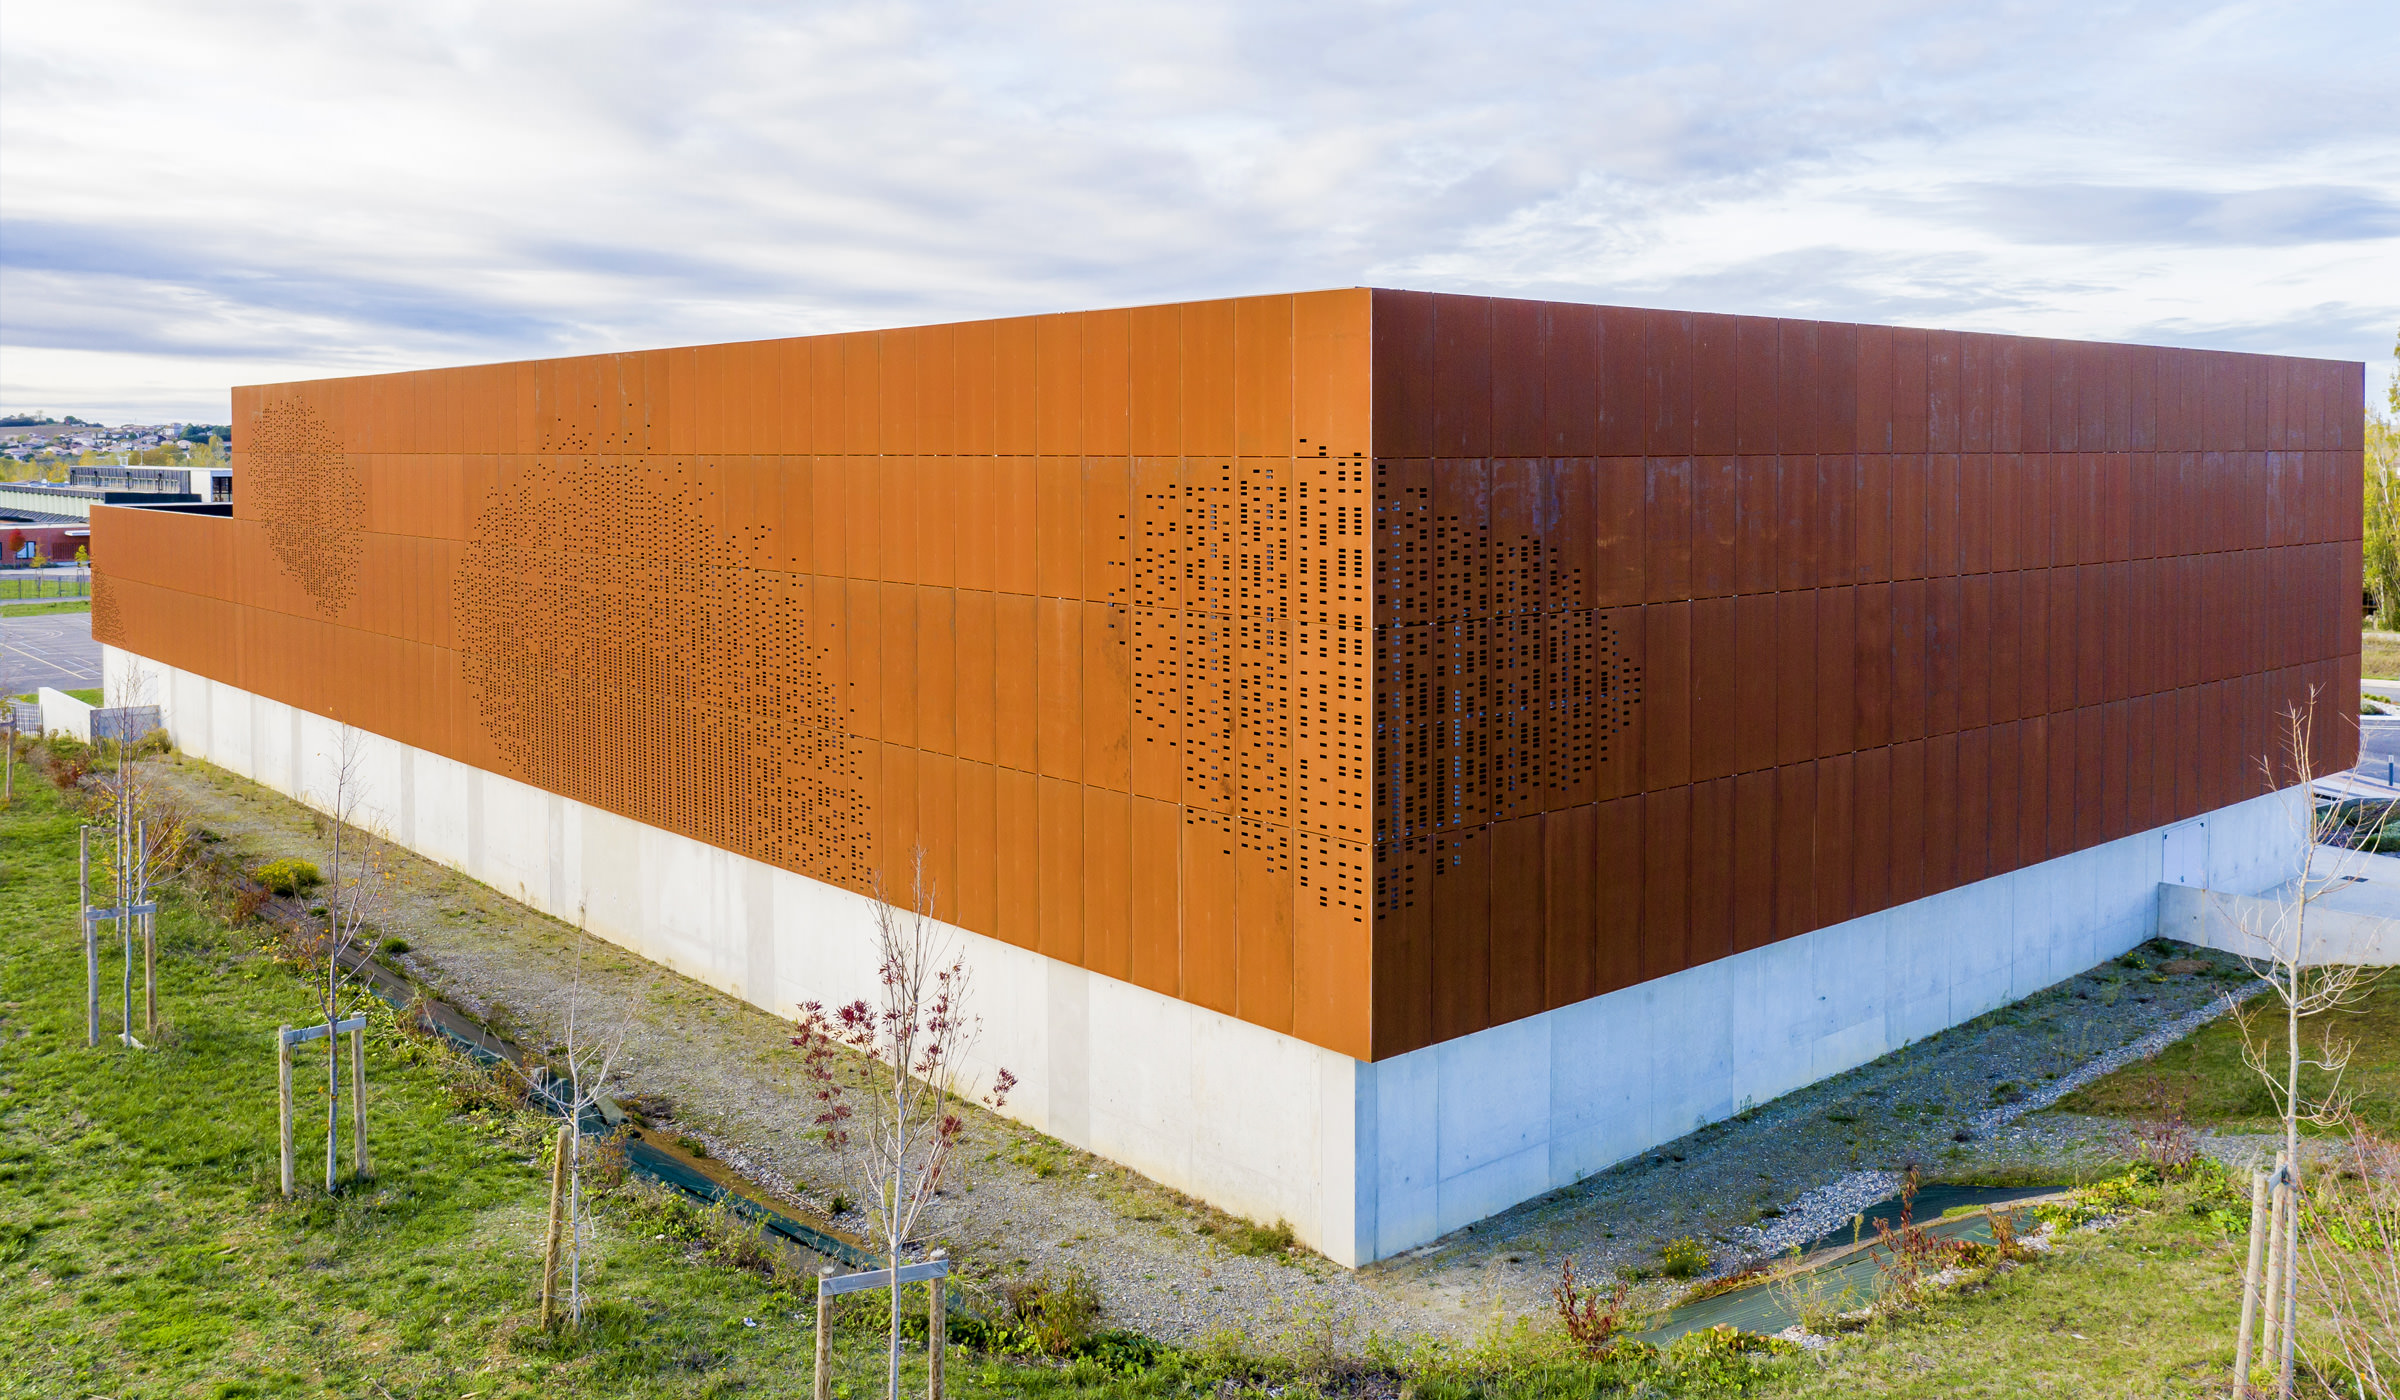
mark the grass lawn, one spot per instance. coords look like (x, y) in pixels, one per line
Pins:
(2380, 656)
(145, 1250)
(2205, 1077)
(18, 589)
(73, 605)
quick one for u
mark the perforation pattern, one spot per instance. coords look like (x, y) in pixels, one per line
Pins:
(685, 691)
(309, 494)
(108, 613)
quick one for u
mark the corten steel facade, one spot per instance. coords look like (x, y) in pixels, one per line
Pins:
(1377, 668)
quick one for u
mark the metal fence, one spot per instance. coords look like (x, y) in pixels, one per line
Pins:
(126, 723)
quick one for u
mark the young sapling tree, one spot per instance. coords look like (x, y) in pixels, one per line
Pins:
(914, 1035)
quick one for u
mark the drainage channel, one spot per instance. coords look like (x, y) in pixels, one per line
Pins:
(646, 1156)
(1835, 1268)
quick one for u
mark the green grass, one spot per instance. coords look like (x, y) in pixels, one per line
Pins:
(145, 1250)
(77, 605)
(2145, 1309)
(2205, 1076)
(18, 589)
(2379, 658)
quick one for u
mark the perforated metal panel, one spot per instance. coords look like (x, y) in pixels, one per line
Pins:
(1924, 622)
(1375, 667)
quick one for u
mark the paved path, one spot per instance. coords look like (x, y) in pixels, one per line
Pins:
(50, 649)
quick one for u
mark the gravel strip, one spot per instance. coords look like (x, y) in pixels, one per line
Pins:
(708, 1066)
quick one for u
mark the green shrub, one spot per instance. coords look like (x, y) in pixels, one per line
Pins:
(1682, 1258)
(289, 876)
(1259, 1241)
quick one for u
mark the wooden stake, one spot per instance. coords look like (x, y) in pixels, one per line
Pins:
(823, 1381)
(937, 1332)
(283, 1082)
(141, 895)
(91, 942)
(2291, 1281)
(2275, 1261)
(2259, 1192)
(358, 1106)
(558, 1198)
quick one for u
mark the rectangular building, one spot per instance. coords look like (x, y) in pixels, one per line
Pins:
(1389, 755)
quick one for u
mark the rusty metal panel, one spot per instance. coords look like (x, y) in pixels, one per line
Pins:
(1016, 495)
(1403, 374)
(1263, 924)
(1797, 550)
(1975, 509)
(1570, 370)
(1156, 378)
(1833, 874)
(1517, 380)
(1666, 881)
(1210, 933)
(1716, 525)
(1620, 502)
(1795, 849)
(2014, 678)
(1908, 814)
(1617, 956)
(1666, 696)
(1518, 921)
(1796, 663)
(1753, 860)
(1716, 708)
(1155, 918)
(1667, 528)
(1716, 385)
(1462, 949)
(1105, 842)
(1016, 839)
(1623, 352)
(1016, 386)
(1870, 832)
(2060, 751)
(1756, 400)
(1016, 638)
(1058, 519)
(1106, 695)
(1667, 383)
(894, 623)
(1942, 642)
(1941, 813)
(1570, 904)
(1263, 362)
(1058, 394)
(1797, 376)
(1402, 987)
(1836, 525)
(1462, 376)
(1836, 645)
(1333, 945)
(1712, 846)
(1972, 649)
(1910, 698)
(1874, 415)
(1874, 518)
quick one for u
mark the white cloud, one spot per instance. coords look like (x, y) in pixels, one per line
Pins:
(198, 196)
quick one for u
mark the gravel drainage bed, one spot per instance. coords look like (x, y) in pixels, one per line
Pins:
(721, 1072)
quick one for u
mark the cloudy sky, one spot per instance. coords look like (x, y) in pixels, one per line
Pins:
(193, 196)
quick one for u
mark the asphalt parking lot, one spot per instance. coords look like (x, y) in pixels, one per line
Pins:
(54, 649)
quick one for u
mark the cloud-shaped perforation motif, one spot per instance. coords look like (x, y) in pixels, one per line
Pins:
(310, 496)
(108, 613)
(623, 653)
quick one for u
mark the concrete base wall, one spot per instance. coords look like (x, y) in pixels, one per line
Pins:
(1455, 1132)
(1365, 1160)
